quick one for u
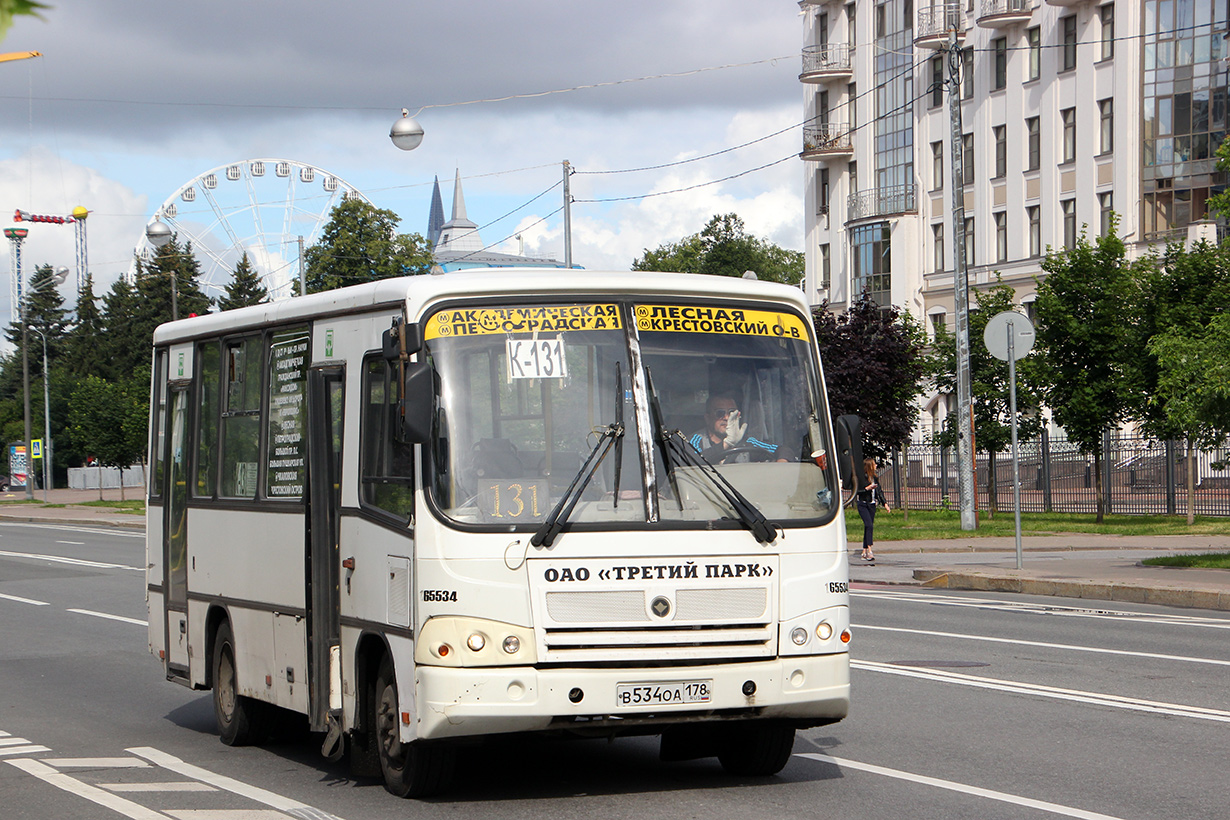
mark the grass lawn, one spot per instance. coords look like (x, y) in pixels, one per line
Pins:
(135, 505)
(937, 524)
(1208, 560)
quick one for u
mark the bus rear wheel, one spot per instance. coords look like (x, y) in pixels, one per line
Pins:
(417, 769)
(239, 718)
(758, 749)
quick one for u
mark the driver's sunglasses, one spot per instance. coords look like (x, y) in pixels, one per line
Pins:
(721, 414)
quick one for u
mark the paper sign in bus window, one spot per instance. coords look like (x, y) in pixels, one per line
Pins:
(536, 358)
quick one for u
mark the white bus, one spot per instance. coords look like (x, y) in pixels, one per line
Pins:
(434, 508)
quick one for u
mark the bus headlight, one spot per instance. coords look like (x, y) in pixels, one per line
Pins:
(481, 643)
(798, 635)
(824, 630)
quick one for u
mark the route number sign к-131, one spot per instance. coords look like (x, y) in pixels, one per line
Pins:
(536, 359)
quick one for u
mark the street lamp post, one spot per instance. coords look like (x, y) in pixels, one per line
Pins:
(159, 235)
(57, 278)
(46, 419)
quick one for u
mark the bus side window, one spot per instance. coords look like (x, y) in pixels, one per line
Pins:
(387, 466)
(241, 417)
(206, 467)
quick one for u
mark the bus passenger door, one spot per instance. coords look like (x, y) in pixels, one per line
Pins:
(326, 399)
(175, 536)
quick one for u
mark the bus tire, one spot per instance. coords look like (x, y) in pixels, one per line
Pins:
(418, 769)
(758, 750)
(238, 717)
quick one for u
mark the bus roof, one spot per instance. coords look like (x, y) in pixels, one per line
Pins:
(421, 292)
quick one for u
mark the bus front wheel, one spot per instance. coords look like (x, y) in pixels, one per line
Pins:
(758, 749)
(237, 716)
(417, 769)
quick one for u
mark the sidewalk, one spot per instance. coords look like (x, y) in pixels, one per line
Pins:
(1099, 567)
(11, 508)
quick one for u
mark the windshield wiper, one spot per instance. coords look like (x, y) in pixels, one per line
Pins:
(677, 450)
(612, 435)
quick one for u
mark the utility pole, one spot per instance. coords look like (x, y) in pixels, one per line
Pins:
(965, 404)
(302, 281)
(567, 216)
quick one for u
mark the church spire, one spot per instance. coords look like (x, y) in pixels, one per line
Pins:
(435, 219)
(459, 201)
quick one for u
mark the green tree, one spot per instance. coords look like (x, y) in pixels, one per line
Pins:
(83, 344)
(1084, 337)
(360, 244)
(874, 367)
(989, 386)
(245, 288)
(724, 248)
(108, 421)
(11, 8)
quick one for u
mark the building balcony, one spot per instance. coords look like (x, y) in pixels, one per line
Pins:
(827, 140)
(935, 23)
(881, 202)
(1004, 13)
(1065, 3)
(823, 64)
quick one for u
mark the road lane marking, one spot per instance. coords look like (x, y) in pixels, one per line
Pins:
(60, 559)
(226, 814)
(22, 750)
(950, 785)
(271, 799)
(21, 600)
(96, 763)
(182, 786)
(1035, 608)
(61, 781)
(119, 533)
(110, 617)
(1039, 690)
(1045, 645)
(74, 543)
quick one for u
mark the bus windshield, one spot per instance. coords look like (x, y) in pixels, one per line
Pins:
(528, 393)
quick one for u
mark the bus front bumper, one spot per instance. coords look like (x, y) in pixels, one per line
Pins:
(453, 702)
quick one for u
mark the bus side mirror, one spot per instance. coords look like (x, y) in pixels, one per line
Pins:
(849, 432)
(418, 402)
(391, 341)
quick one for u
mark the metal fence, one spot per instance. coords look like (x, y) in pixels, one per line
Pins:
(1140, 477)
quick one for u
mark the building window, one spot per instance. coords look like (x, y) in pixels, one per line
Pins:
(1106, 125)
(1106, 208)
(937, 322)
(1068, 117)
(852, 105)
(969, 241)
(822, 108)
(852, 171)
(967, 159)
(1069, 223)
(871, 246)
(881, 23)
(1068, 52)
(1000, 45)
(1035, 215)
(822, 28)
(1033, 36)
(1001, 236)
(1108, 30)
(1000, 132)
(967, 74)
(937, 242)
(937, 82)
(822, 200)
(1033, 144)
(937, 165)
(826, 266)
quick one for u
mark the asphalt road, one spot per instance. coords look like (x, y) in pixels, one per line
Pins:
(966, 705)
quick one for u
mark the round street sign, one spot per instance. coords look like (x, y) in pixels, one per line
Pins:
(1003, 325)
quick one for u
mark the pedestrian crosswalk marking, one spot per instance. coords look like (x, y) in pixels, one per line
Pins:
(96, 763)
(180, 786)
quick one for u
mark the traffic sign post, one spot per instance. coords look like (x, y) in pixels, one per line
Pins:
(1008, 337)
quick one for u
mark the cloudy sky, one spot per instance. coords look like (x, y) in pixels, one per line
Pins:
(133, 100)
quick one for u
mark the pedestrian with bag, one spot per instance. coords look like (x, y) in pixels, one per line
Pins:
(867, 498)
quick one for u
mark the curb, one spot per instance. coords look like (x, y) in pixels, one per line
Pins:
(75, 522)
(1095, 590)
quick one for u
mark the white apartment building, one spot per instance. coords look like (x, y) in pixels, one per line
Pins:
(1071, 110)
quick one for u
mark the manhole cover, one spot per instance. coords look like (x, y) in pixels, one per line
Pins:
(940, 664)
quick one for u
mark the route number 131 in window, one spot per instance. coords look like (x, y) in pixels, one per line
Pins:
(536, 359)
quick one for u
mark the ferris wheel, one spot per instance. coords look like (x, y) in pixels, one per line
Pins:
(266, 208)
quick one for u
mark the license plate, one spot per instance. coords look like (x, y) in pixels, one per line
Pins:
(664, 694)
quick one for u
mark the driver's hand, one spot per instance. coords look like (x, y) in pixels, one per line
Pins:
(735, 429)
